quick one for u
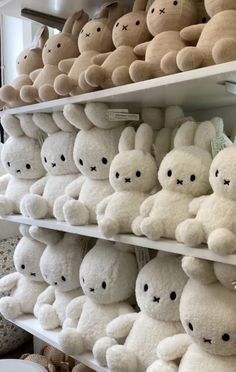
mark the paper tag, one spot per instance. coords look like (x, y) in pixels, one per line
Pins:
(220, 142)
(119, 115)
(142, 256)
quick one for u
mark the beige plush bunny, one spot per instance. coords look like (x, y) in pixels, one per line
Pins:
(95, 38)
(57, 47)
(165, 19)
(112, 68)
(29, 60)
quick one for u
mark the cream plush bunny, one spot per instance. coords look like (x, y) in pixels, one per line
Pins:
(29, 60)
(107, 276)
(26, 284)
(112, 68)
(57, 158)
(21, 159)
(207, 312)
(215, 222)
(183, 175)
(158, 290)
(133, 175)
(59, 265)
(94, 151)
(57, 47)
(216, 40)
(95, 38)
(165, 20)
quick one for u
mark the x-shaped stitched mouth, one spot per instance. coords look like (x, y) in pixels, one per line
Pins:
(179, 182)
(207, 340)
(124, 27)
(156, 299)
(226, 182)
(162, 11)
(87, 35)
(93, 169)
(127, 180)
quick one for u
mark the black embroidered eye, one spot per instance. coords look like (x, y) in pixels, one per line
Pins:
(104, 285)
(8, 164)
(169, 173)
(63, 278)
(175, 3)
(190, 326)
(137, 23)
(58, 45)
(83, 280)
(45, 159)
(153, 10)
(138, 174)
(117, 24)
(25, 57)
(226, 337)
(81, 162)
(63, 158)
(117, 175)
(28, 166)
(173, 296)
(145, 288)
(98, 29)
(23, 267)
(82, 31)
(104, 160)
(192, 178)
(217, 173)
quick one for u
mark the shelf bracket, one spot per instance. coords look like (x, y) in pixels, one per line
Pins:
(45, 19)
(230, 87)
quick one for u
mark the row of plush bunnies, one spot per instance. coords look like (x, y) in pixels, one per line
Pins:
(90, 170)
(86, 290)
(116, 48)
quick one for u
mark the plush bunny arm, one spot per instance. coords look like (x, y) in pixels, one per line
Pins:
(74, 188)
(34, 74)
(140, 49)
(174, 347)
(101, 207)
(4, 180)
(38, 186)
(121, 326)
(192, 33)
(9, 281)
(66, 64)
(100, 58)
(75, 307)
(47, 296)
(195, 204)
(147, 205)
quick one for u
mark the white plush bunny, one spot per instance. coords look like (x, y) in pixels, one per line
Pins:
(57, 158)
(133, 175)
(21, 159)
(215, 221)
(59, 265)
(183, 174)
(107, 277)
(207, 312)
(26, 284)
(94, 151)
(158, 290)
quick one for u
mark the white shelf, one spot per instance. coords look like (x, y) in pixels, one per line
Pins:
(31, 325)
(93, 231)
(197, 89)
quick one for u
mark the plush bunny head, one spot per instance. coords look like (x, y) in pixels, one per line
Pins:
(131, 29)
(97, 33)
(216, 6)
(27, 255)
(64, 44)
(171, 15)
(186, 168)
(159, 287)
(108, 273)
(57, 149)
(134, 168)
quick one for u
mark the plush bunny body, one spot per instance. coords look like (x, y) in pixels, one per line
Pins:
(107, 277)
(216, 39)
(132, 175)
(26, 284)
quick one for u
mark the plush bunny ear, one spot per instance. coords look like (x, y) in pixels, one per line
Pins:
(154, 117)
(45, 236)
(139, 5)
(40, 37)
(75, 114)
(79, 23)
(62, 123)
(25, 231)
(45, 122)
(97, 113)
(28, 126)
(144, 138)
(205, 133)
(173, 115)
(127, 139)
(11, 124)
(68, 26)
(199, 270)
(185, 134)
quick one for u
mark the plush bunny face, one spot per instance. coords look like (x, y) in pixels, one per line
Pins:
(207, 314)
(21, 158)
(131, 29)
(223, 173)
(27, 257)
(96, 35)
(94, 151)
(186, 170)
(171, 15)
(57, 154)
(159, 287)
(216, 6)
(107, 274)
(29, 60)
(59, 47)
